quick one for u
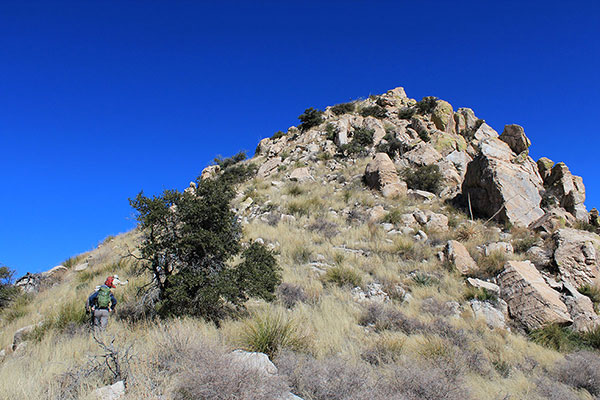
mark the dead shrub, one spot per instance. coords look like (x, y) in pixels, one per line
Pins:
(580, 370)
(552, 390)
(290, 294)
(384, 318)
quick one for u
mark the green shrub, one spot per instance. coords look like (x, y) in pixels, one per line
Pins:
(271, 333)
(426, 105)
(425, 177)
(343, 108)
(423, 279)
(406, 112)
(491, 265)
(301, 255)
(278, 135)
(522, 245)
(343, 276)
(585, 226)
(310, 118)
(361, 138)
(295, 190)
(391, 146)
(481, 294)
(393, 217)
(8, 292)
(591, 291)
(373, 111)
(556, 337)
(227, 162)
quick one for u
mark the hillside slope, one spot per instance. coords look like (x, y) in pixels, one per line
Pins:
(423, 256)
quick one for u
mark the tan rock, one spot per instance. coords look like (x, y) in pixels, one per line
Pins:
(377, 127)
(381, 174)
(263, 147)
(269, 167)
(301, 175)
(423, 154)
(377, 213)
(514, 136)
(576, 256)
(479, 284)
(568, 190)
(21, 335)
(458, 255)
(545, 167)
(530, 300)
(210, 172)
(499, 188)
(581, 309)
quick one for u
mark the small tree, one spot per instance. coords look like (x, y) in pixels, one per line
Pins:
(190, 240)
(310, 118)
(7, 290)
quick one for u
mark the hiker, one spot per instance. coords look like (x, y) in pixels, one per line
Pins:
(101, 303)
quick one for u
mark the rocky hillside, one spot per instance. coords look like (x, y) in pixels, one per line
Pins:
(424, 256)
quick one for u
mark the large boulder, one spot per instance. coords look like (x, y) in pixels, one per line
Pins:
(502, 188)
(269, 167)
(531, 301)
(422, 154)
(255, 361)
(210, 172)
(514, 136)
(377, 127)
(466, 121)
(458, 255)
(567, 190)
(344, 127)
(581, 309)
(545, 167)
(381, 174)
(111, 392)
(575, 256)
(301, 175)
(443, 116)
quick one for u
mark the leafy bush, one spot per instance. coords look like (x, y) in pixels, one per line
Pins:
(343, 108)
(426, 105)
(188, 240)
(290, 294)
(425, 177)
(394, 216)
(361, 138)
(391, 146)
(270, 333)
(343, 276)
(406, 112)
(373, 111)
(227, 162)
(278, 135)
(310, 118)
(555, 337)
(423, 279)
(331, 131)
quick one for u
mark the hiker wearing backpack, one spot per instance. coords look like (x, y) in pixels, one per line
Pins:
(101, 302)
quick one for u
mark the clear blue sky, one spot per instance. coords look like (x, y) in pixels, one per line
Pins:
(99, 99)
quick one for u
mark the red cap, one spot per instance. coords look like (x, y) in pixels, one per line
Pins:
(109, 282)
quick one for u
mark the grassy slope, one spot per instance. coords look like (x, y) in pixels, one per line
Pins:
(328, 320)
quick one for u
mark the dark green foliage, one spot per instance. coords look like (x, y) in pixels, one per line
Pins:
(8, 292)
(481, 294)
(331, 131)
(563, 339)
(391, 146)
(277, 135)
(522, 245)
(591, 291)
(373, 111)
(361, 138)
(189, 239)
(426, 105)
(424, 136)
(239, 173)
(585, 226)
(310, 118)
(406, 112)
(226, 162)
(425, 177)
(343, 108)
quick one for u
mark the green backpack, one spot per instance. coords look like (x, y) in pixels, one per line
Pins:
(103, 299)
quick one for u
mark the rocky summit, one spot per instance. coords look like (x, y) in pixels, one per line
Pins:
(422, 255)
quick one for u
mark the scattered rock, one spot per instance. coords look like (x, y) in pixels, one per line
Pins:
(373, 292)
(421, 236)
(540, 257)
(21, 335)
(494, 318)
(498, 247)
(479, 284)
(421, 195)
(81, 267)
(255, 361)
(581, 309)
(459, 257)
(552, 220)
(245, 204)
(111, 392)
(545, 167)
(423, 154)
(530, 300)
(567, 191)
(377, 213)
(286, 218)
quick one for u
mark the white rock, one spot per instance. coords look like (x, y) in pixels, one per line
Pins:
(111, 392)
(256, 361)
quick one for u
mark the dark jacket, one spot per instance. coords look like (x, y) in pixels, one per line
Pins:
(92, 299)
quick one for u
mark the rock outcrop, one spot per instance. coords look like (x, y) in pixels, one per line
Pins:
(514, 136)
(530, 300)
(499, 186)
(575, 256)
(567, 191)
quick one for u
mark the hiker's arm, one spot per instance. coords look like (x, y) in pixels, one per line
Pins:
(113, 300)
(92, 299)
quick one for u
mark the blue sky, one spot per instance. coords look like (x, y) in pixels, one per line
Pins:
(99, 99)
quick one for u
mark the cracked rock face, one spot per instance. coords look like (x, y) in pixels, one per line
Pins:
(575, 256)
(531, 301)
(381, 174)
(501, 187)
